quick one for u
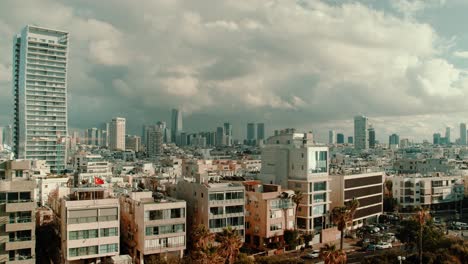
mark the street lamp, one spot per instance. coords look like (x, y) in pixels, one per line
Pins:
(400, 258)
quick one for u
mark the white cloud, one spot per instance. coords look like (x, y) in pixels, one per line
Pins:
(461, 54)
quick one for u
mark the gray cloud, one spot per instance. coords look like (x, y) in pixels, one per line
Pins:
(308, 65)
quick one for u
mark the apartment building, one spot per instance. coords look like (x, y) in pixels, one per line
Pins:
(437, 191)
(367, 188)
(89, 228)
(423, 166)
(213, 204)
(269, 211)
(152, 225)
(17, 213)
(88, 166)
(294, 161)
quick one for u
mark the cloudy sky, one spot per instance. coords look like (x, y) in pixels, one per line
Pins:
(307, 64)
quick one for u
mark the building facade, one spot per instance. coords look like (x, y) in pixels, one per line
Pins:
(176, 125)
(269, 212)
(361, 140)
(153, 225)
(40, 61)
(117, 134)
(17, 212)
(367, 188)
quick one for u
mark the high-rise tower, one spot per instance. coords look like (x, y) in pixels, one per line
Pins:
(117, 134)
(360, 133)
(176, 124)
(40, 60)
(462, 134)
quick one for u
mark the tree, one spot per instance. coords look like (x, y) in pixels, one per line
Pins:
(297, 199)
(343, 215)
(422, 216)
(230, 243)
(308, 236)
(203, 249)
(331, 255)
(291, 238)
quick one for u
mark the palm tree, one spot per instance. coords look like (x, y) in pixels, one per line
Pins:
(331, 255)
(203, 249)
(343, 215)
(297, 199)
(229, 244)
(422, 216)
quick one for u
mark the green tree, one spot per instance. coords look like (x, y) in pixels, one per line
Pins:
(422, 216)
(330, 254)
(291, 238)
(230, 243)
(343, 215)
(203, 250)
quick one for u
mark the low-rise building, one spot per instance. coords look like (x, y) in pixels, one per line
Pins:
(367, 188)
(269, 211)
(437, 191)
(89, 222)
(17, 212)
(152, 225)
(213, 204)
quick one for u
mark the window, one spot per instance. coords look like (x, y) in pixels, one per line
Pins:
(19, 173)
(321, 197)
(234, 209)
(165, 229)
(317, 161)
(108, 214)
(235, 221)
(216, 210)
(109, 248)
(320, 186)
(234, 195)
(82, 251)
(108, 232)
(274, 227)
(217, 223)
(319, 209)
(83, 234)
(216, 196)
(276, 214)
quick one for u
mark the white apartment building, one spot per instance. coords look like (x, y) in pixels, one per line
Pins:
(153, 225)
(117, 134)
(293, 161)
(437, 191)
(88, 166)
(213, 204)
(89, 225)
(40, 60)
(367, 188)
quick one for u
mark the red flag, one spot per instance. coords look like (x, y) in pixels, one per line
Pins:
(98, 180)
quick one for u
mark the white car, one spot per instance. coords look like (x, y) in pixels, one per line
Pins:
(383, 245)
(315, 254)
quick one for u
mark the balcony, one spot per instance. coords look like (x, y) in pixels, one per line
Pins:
(20, 206)
(21, 260)
(20, 243)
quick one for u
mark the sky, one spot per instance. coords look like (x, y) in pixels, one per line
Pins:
(309, 64)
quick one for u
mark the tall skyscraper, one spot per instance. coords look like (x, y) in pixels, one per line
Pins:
(8, 136)
(331, 137)
(447, 135)
(228, 133)
(220, 136)
(371, 131)
(340, 138)
(40, 60)
(251, 132)
(361, 141)
(462, 134)
(117, 134)
(260, 132)
(436, 139)
(92, 136)
(176, 125)
(393, 140)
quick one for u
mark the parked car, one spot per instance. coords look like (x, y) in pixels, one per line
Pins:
(383, 245)
(314, 254)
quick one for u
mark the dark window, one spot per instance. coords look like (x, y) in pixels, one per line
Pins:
(363, 191)
(352, 183)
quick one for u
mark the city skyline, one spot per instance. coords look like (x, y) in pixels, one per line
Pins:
(221, 86)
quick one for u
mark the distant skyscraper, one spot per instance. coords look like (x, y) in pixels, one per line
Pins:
(1, 138)
(155, 142)
(331, 137)
(393, 140)
(133, 143)
(176, 125)
(360, 133)
(228, 133)
(260, 132)
(117, 134)
(447, 135)
(92, 136)
(462, 134)
(251, 132)
(40, 95)
(220, 136)
(350, 140)
(436, 139)
(340, 138)
(371, 131)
